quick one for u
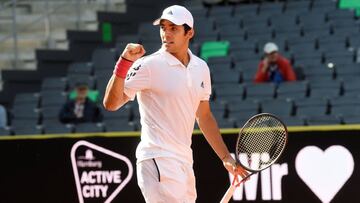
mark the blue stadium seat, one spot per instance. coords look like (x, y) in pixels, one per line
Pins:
(279, 107)
(262, 90)
(293, 90)
(89, 128)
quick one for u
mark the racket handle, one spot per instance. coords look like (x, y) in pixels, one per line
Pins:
(229, 193)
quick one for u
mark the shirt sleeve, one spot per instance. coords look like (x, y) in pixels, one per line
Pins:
(207, 86)
(137, 79)
(290, 74)
(260, 75)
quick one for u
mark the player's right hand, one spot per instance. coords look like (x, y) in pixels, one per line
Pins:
(234, 168)
(133, 52)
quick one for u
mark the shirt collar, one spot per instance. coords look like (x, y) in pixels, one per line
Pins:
(173, 61)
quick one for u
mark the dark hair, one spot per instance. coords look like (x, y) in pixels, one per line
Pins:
(187, 28)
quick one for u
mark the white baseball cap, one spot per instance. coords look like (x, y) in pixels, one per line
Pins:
(178, 15)
(270, 47)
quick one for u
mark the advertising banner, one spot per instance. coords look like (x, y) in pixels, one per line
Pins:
(316, 167)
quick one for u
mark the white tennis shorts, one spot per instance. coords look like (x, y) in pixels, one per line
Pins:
(166, 180)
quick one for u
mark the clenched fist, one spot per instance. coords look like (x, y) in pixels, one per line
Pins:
(133, 52)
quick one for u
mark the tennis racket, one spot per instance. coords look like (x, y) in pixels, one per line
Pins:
(260, 143)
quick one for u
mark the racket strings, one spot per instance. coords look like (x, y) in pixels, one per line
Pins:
(261, 142)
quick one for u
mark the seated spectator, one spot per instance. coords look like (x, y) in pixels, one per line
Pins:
(81, 109)
(274, 67)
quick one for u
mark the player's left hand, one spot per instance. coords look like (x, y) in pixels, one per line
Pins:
(234, 168)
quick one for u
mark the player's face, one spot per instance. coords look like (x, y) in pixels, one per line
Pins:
(173, 37)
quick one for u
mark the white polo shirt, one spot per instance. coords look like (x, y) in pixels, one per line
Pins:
(168, 94)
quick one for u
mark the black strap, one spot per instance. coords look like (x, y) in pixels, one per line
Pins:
(157, 168)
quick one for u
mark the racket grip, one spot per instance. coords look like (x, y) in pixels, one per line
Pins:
(229, 193)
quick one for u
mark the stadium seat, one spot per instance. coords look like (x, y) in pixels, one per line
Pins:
(238, 44)
(197, 11)
(262, 90)
(303, 47)
(50, 98)
(80, 68)
(286, 20)
(5, 132)
(342, 24)
(345, 14)
(27, 99)
(25, 112)
(216, 11)
(240, 118)
(246, 9)
(325, 93)
(54, 83)
(297, 6)
(311, 18)
(148, 33)
(307, 62)
(230, 32)
(279, 107)
(29, 130)
(89, 128)
(220, 68)
(323, 120)
(205, 28)
(123, 114)
(351, 120)
(50, 113)
(119, 125)
(227, 21)
(293, 121)
(151, 47)
(352, 87)
(226, 90)
(301, 55)
(311, 106)
(323, 6)
(341, 59)
(127, 38)
(244, 56)
(221, 60)
(345, 111)
(293, 90)
(104, 58)
(232, 77)
(55, 127)
(74, 79)
(354, 42)
(226, 123)
(319, 71)
(271, 8)
(212, 2)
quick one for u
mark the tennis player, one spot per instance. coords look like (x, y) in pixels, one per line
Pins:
(173, 89)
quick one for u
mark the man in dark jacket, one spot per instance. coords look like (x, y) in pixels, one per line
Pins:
(81, 109)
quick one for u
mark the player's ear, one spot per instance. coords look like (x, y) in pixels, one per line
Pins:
(191, 33)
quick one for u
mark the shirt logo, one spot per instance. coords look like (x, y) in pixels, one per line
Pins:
(132, 72)
(202, 84)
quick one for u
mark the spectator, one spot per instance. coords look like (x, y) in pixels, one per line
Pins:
(274, 67)
(81, 109)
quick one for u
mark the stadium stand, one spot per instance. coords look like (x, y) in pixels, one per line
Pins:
(316, 35)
